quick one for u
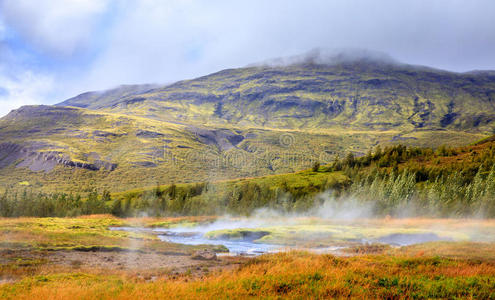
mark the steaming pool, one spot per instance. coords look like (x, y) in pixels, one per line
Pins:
(248, 237)
(179, 236)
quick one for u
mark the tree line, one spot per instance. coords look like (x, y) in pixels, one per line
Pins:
(396, 180)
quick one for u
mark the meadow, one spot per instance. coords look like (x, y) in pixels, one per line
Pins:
(30, 270)
(357, 204)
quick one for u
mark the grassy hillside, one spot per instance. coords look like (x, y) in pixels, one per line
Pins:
(358, 94)
(447, 181)
(395, 180)
(286, 192)
(237, 123)
(59, 149)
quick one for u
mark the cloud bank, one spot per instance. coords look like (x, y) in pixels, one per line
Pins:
(95, 44)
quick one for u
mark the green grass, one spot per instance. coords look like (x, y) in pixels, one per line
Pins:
(83, 234)
(299, 180)
(240, 196)
(431, 270)
(325, 233)
(261, 153)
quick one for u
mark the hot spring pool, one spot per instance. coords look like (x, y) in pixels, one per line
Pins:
(322, 238)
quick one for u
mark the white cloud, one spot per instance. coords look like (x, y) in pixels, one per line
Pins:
(26, 89)
(58, 26)
(163, 41)
(155, 41)
(19, 83)
(55, 28)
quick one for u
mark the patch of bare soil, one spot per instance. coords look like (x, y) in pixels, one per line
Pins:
(148, 262)
(127, 260)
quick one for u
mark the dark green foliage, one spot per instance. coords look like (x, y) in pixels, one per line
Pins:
(388, 157)
(446, 196)
(52, 205)
(316, 167)
(399, 180)
(444, 151)
(395, 180)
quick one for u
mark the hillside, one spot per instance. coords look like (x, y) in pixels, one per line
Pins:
(358, 94)
(258, 120)
(65, 149)
(395, 180)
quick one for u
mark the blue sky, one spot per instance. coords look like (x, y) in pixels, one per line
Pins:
(54, 49)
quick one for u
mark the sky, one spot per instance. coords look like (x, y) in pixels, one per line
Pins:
(51, 50)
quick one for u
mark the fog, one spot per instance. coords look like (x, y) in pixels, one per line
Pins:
(332, 225)
(327, 56)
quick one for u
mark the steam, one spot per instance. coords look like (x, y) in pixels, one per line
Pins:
(327, 208)
(346, 209)
(331, 224)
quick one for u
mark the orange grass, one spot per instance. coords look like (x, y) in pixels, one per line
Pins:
(290, 275)
(431, 270)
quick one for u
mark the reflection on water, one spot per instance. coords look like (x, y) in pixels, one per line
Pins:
(246, 245)
(235, 247)
(180, 236)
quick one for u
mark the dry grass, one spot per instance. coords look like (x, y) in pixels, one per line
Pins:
(455, 250)
(293, 275)
(98, 216)
(431, 270)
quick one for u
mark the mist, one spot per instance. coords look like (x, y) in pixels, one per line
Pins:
(328, 56)
(332, 225)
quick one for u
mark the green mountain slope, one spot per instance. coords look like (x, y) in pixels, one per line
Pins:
(395, 180)
(244, 122)
(72, 149)
(359, 95)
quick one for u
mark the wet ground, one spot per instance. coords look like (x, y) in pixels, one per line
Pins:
(249, 241)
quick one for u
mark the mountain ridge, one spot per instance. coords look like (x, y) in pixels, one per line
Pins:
(242, 122)
(320, 94)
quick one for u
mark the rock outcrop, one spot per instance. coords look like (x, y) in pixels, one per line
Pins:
(204, 255)
(36, 159)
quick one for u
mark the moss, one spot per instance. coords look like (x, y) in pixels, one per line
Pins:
(82, 234)
(324, 234)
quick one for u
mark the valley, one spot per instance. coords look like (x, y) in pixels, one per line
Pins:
(377, 175)
(247, 149)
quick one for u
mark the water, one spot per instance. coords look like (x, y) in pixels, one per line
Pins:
(235, 247)
(247, 246)
(187, 236)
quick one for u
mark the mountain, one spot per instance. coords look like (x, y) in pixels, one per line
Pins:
(270, 118)
(352, 94)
